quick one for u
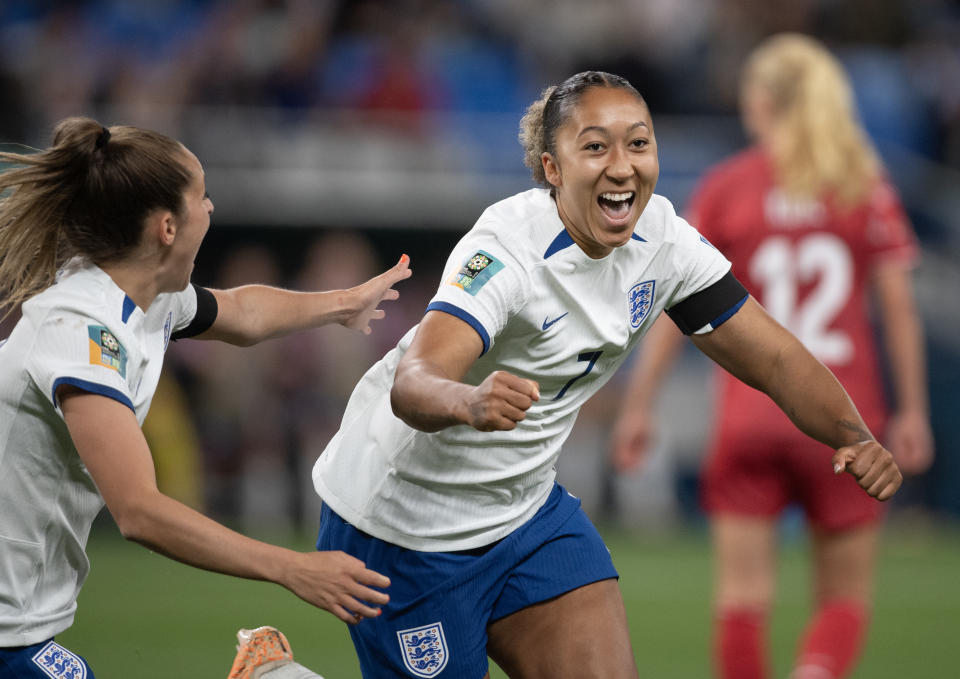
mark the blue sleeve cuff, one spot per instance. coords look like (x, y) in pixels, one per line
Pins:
(725, 316)
(464, 316)
(93, 388)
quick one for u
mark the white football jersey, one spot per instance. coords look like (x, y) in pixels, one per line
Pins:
(545, 311)
(82, 331)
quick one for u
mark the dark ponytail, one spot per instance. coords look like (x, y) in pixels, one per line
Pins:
(88, 194)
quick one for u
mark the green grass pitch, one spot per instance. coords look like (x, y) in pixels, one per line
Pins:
(146, 617)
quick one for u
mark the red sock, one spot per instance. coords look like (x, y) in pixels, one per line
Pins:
(739, 650)
(832, 640)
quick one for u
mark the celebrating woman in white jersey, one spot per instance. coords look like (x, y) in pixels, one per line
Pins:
(442, 473)
(817, 231)
(120, 212)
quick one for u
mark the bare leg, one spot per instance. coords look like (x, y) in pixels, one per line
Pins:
(844, 564)
(579, 635)
(744, 561)
(744, 581)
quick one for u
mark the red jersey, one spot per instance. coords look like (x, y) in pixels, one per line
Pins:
(809, 263)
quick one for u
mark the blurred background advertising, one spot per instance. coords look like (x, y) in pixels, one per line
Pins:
(336, 135)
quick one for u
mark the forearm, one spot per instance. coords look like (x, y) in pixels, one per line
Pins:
(428, 393)
(109, 441)
(813, 399)
(253, 313)
(176, 531)
(761, 353)
(903, 339)
(657, 353)
(426, 398)
(908, 368)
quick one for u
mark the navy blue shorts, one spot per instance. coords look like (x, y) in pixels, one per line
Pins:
(46, 660)
(441, 602)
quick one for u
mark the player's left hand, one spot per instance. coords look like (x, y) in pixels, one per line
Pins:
(911, 441)
(337, 582)
(367, 296)
(872, 466)
(632, 439)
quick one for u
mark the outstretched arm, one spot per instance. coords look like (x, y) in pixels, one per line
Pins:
(908, 435)
(252, 313)
(634, 428)
(427, 392)
(111, 445)
(760, 352)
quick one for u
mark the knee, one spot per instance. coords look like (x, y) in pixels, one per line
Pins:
(749, 594)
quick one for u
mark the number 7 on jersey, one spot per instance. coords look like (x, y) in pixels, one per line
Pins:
(590, 356)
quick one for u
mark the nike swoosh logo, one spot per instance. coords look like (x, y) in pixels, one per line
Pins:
(547, 322)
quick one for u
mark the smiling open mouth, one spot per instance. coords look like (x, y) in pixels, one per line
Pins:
(616, 205)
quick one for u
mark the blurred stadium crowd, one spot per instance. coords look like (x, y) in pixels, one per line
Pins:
(153, 59)
(337, 134)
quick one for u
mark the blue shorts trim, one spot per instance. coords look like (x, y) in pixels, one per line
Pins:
(441, 602)
(45, 660)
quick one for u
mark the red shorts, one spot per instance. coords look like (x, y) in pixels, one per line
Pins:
(759, 475)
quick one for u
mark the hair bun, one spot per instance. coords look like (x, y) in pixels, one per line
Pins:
(103, 138)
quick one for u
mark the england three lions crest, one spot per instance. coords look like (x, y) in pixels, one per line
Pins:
(639, 300)
(424, 649)
(58, 663)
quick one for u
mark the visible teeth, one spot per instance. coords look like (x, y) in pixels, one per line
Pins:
(617, 197)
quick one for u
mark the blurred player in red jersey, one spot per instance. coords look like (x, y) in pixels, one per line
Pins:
(815, 232)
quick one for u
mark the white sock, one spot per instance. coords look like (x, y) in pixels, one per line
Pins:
(811, 672)
(290, 671)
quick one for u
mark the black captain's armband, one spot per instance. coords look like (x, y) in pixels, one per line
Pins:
(709, 308)
(203, 319)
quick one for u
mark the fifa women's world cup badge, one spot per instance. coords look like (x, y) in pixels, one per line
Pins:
(424, 649)
(106, 350)
(475, 272)
(639, 301)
